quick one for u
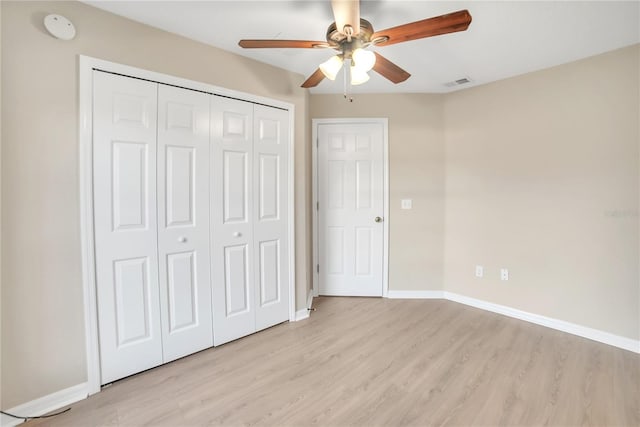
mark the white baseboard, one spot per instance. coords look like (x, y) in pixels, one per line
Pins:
(310, 299)
(560, 325)
(304, 313)
(415, 294)
(45, 404)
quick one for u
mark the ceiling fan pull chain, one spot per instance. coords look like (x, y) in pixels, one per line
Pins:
(347, 80)
(344, 81)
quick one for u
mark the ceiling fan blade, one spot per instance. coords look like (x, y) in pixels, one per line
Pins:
(449, 23)
(279, 44)
(346, 12)
(389, 70)
(314, 79)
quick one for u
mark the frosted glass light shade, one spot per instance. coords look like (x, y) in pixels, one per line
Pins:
(331, 67)
(358, 76)
(364, 59)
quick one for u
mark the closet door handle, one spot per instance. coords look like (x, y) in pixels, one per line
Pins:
(182, 239)
(237, 234)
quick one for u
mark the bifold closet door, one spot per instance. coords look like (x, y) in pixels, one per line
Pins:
(124, 166)
(183, 221)
(270, 215)
(249, 218)
(151, 209)
(232, 230)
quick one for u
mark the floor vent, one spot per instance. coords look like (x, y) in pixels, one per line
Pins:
(458, 82)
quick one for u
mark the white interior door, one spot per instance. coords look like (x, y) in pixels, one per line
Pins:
(183, 221)
(231, 212)
(124, 165)
(270, 215)
(351, 205)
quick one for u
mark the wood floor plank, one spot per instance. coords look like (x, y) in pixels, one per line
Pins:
(382, 362)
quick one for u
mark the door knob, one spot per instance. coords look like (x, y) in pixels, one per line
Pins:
(182, 239)
(378, 219)
(237, 234)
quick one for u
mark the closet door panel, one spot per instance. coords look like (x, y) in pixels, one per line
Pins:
(269, 272)
(232, 259)
(183, 217)
(236, 280)
(270, 218)
(235, 198)
(124, 166)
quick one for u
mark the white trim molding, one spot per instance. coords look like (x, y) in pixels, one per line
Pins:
(305, 312)
(302, 314)
(310, 299)
(393, 294)
(291, 175)
(45, 404)
(560, 325)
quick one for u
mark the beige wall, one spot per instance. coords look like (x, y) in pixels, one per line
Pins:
(43, 346)
(538, 174)
(416, 171)
(542, 178)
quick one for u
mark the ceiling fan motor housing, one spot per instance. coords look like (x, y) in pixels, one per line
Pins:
(340, 42)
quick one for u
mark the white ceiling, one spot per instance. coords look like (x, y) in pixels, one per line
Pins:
(505, 38)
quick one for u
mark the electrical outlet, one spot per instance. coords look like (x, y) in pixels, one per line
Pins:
(504, 274)
(479, 271)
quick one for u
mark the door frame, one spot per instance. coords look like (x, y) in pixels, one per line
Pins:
(385, 187)
(86, 66)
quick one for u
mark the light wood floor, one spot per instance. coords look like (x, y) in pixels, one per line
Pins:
(372, 361)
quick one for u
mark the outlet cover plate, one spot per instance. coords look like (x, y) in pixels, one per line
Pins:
(479, 271)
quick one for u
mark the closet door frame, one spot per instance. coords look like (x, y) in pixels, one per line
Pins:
(87, 65)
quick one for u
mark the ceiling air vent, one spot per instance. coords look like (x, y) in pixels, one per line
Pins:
(458, 82)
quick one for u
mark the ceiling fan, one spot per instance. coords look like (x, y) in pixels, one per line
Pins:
(350, 35)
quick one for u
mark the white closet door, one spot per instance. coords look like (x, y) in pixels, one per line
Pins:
(231, 213)
(271, 272)
(124, 159)
(183, 221)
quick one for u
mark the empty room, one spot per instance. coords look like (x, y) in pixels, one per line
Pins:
(320, 212)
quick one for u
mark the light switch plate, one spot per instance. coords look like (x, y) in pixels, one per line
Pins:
(406, 204)
(479, 271)
(504, 274)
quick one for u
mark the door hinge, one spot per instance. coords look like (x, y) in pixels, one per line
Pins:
(317, 142)
(318, 268)
(317, 206)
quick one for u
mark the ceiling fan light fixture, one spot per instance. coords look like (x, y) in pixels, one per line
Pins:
(363, 59)
(331, 67)
(358, 76)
